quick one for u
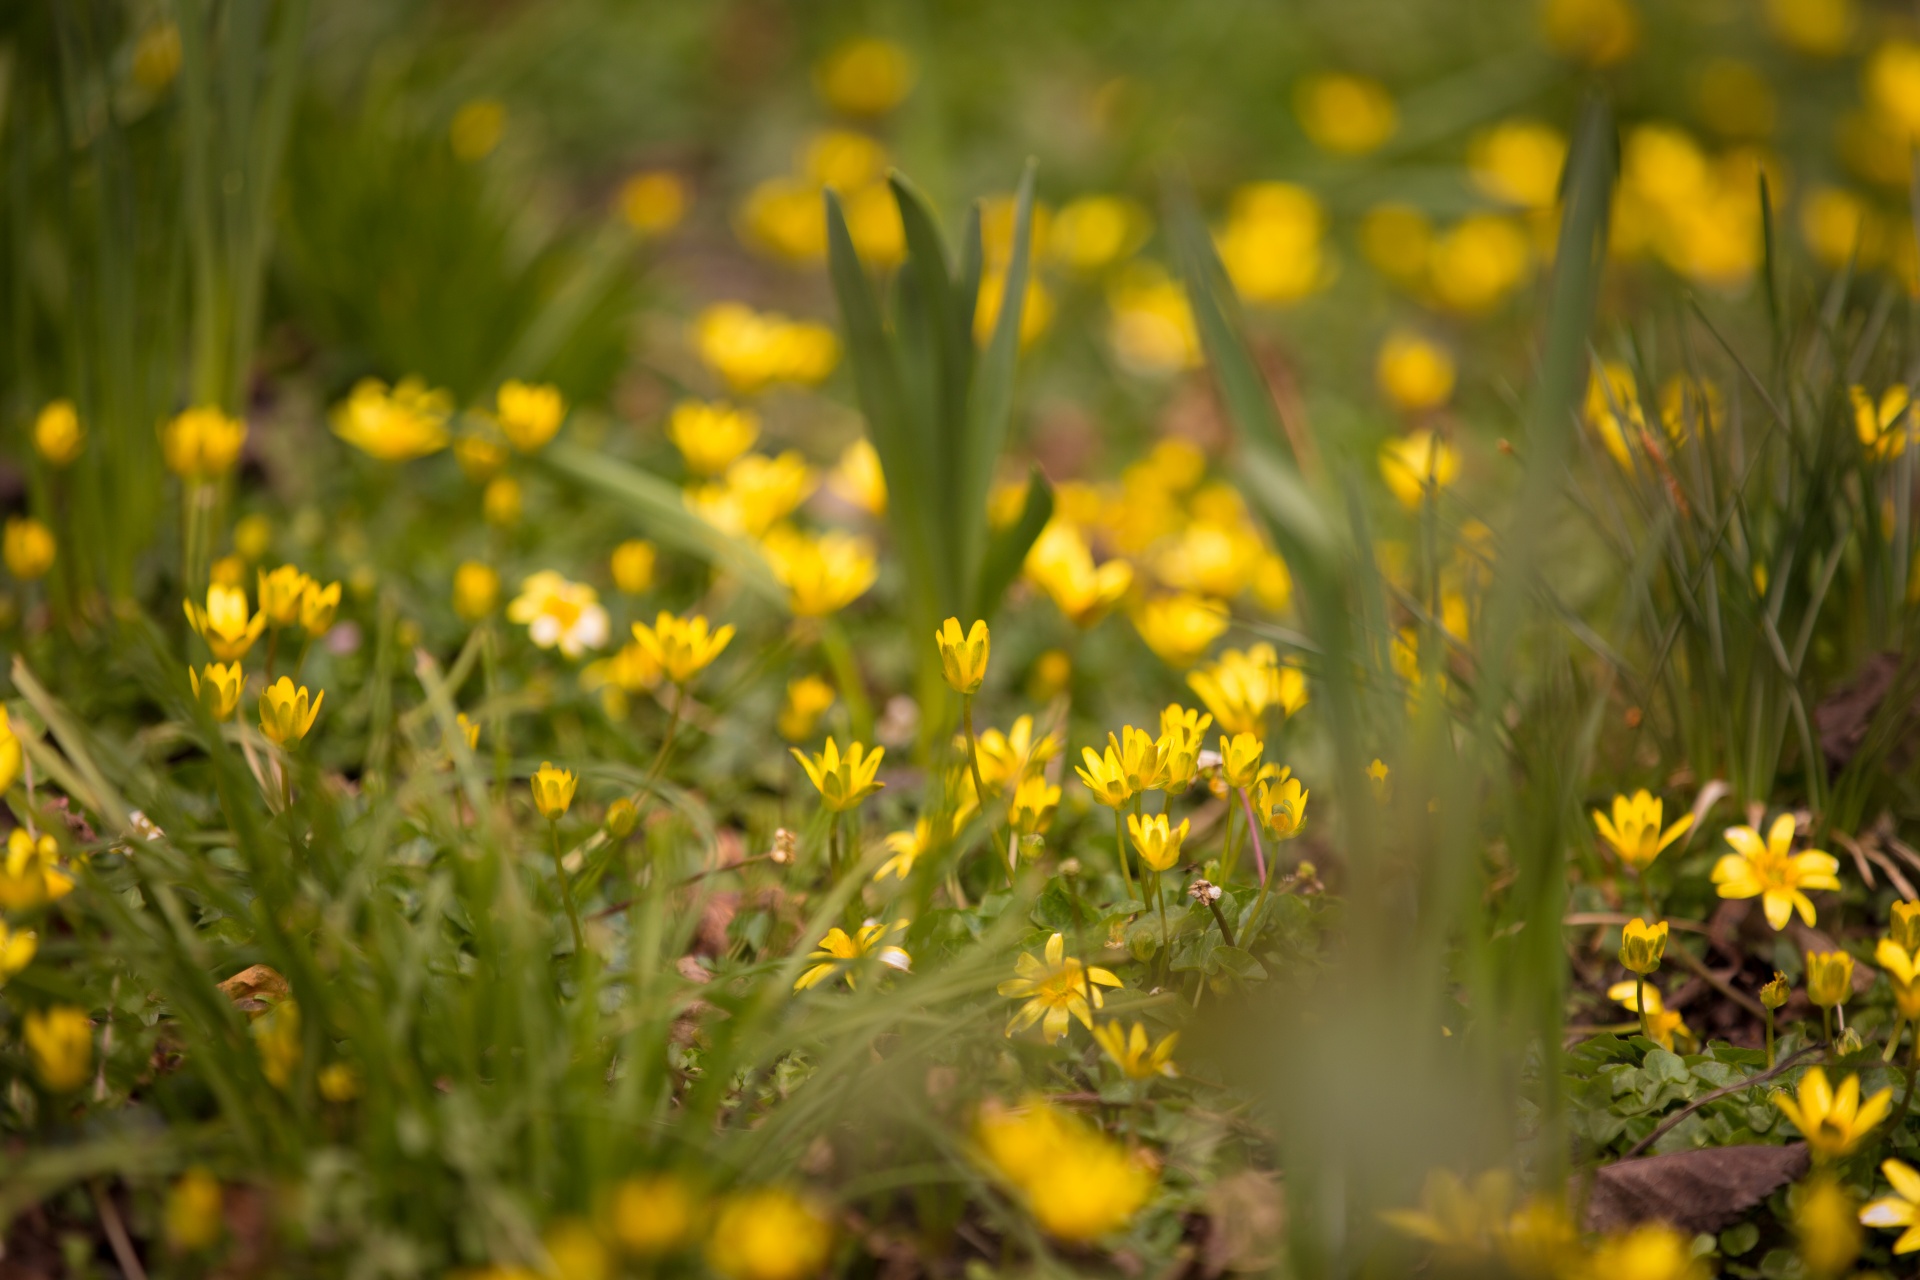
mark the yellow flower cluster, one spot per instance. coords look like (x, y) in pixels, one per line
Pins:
(784, 217)
(1697, 214)
(397, 424)
(1078, 1183)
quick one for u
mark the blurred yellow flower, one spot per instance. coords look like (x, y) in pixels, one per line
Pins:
(57, 434)
(1061, 564)
(1892, 84)
(219, 692)
(1014, 754)
(1182, 738)
(1832, 1121)
(1240, 759)
(318, 605)
(907, 847)
(59, 1044)
(1135, 1053)
(1078, 1183)
(28, 547)
(1157, 843)
(225, 623)
(17, 948)
(823, 574)
(469, 729)
(1036, 309)
(10, 757)
(631, 669)
(1418, 463)
(1035, 801)
(1095, 231)
(276, 1037)
(757, 494)
(1642, 945)
(285, 713)
(480, 457)
(30, 874)
(1663, 1024)
(558, 612)
(1899, 1211)
(711, 434)
(1281, 805)
(839, 948)
(156, 57)
(1885, 427)
(1461, 1220)
(1633, 832)
(842, 781)
(553, 790)
(1271, 243)
(1476, 263)
(194, 1218)
(653, 202)
(476, 128)
(1734, 98)
(651, 1214)
(768, 1234)
(1151, 328)
(683, 647)
(409, 421)
(1818, 28)
(1598, 32)
(1651, 1251)
(1347, 115)
(280, 592)
(753, 350)
(202, 443)
(1903, 923)
(1519, 161)
(1829, 978)
(1613, 409)
(1827, 1225)
(1056, 990)
(859, 479)
(1398, 241)
(476, 590)
(1241, 686)
(807, 700)
(502, 502)
(868, 76)
(1212, 559)
(529, 414)
(1838, 226)
(633, 564)
(1769, 870)
(1180, 627)
(1415, 372)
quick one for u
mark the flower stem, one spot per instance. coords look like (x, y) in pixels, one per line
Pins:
(566, 892)
(980, 787)
(1640, 1003)
(1769, 1039)
(1120, 850)
(1826, 1026)
(1219, 918)
(1228, 862)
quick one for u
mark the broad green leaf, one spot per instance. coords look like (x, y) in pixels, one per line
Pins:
(1007, 549)
(992, 405)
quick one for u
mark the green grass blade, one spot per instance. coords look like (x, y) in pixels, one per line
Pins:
(1007, 549)
(992, 407)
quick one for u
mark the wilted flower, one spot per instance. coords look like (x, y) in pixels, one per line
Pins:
(57, 434)
(225, 623)
(1056, 990)
(559, 612)
(1642, 946)
(529, 413)
(1775, 994)
(285, 714)
(684, 647)
(553, 791)
(202, 443)
(219, 692)
(843, 781)
(1768, 870)
(840, 948)
(60, 1046)
(1634, 831)
(409, 421)
(28, 547)
(1833, 1122)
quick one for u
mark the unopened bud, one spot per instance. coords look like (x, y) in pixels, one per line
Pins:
(621, 816)
(1775, 993)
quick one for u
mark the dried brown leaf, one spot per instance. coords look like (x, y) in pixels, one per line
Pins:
(1693, 1190)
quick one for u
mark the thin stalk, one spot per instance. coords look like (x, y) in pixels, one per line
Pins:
(1228, 862)
(1253, 833)
(1120, 850)
(1640, 1003)
(1826, 1026)
(1219, 918)
(566, 892)
(980, 787)
(1769, 1039)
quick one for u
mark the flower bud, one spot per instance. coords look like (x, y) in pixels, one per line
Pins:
(1775, 993)
(1829, 978)
(621, 816)
(1642, 946)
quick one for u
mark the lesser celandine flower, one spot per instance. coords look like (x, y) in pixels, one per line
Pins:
(1416, 463)
(560, 613)
(757, 493)
(409, 421)
(30, 874)
(553, 791)
(710, 435)
(1769, 870)
(1061, 564)
(202, 443)
(808, 698)
(1642, 946)
(752, 349)
(1903, 924)
(480, 457)
(57, 434)
(768, 1234)
(280, 592)
(1240, 759)
(1015, 754)
(1135, 1053)
(1518, 161)
(476, 590)
(859, 478)
(226, 624)
(529, 414)
(867, 76)
(1179, 627)
(633, 564)
(1633, 833)
(1034, 803)
(839, 951)
(653, 202)
(1281, 805)
(1613, 409)
(1240, 687)
(285, 713)
(1347, 115)
(651, 1214)
(476, 128)
(1415, 372)
(684, 647)
(1078, 1184)
(318, 604)
(1661, 1023)
(1899, 1211)
(1056, 990)
(1883, 426)
(193, 1218)
(1094, 231)
(1827, 1224)
(17, 948)
(220, 690)
(60, 1046)
(1463, 1220)
(9, 752)
(502, 502)
(1271, 245)
(1650, 1251)
(822, 575)
(28, 548)
(1105, 774)
(1832, 1121)
(963, 657)
(1829, 978)
(276, 1037)
(907, 847)
(1182, 735)
(843, 781)
(1157, 843)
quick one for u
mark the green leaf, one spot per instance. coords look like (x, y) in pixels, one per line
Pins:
(1007, 549)
(992, 406)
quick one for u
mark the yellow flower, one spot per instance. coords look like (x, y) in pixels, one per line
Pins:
(963, 658)
(1410, 463)
(529, 414)
(480, 457)
(908, 847)
(757, 494)
(752, 349)
(1883, 428)
(822, 575)
(1415, 372)
(225, 623)
(1105, 775)
(1662, 1023)
(651, 1214)
(1475, 264)
(1634, 831)
(622, 817)
(711, 435)
(1826, 1221)
(1903, 925)
(1157, 844)
(220, 692)
(28, 547)
(410, 421)
(476, 128)
(768, 1234)
(1061, 565)
(654, 202)
(1281, 805)
(1459, 1219)
(57, 433)
(1095, 231)
(1239, 687)
(1651, 1251)
(252, 537)
(1832, 1121)
(859, 479)
(280, 593)
(807, 700)
(1899, 1210)
(193, 1215)
(202, 443)
(276, 1037)
(1613, 410)
(1347, 115)
(553, 791)
(865, 77)
(1179, 627)
(1036, 308)
(839, 948)
(1819, 28)
(17, 948)
(228, 571)
(1642, 945)
(1893, 84)
(502, 502)
(339, 1082)
(60, 1045)
(1240, 759)
(9, 753)
(1056, 990)
(318, 604)
(558, 612)
(1271, 245)
(1139, 756)
(1014, 754)
(1182, 735)
(633, 565)
(843, 781)
(1829, 978)
(285, 715)
(1034, 803)
(1597, 32)
(684, 647)
(1519, 161)
(476, 590)
(156, 57)
(1134, 1054)
(31, 876)
(1766, 869)
(1078, 1183)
